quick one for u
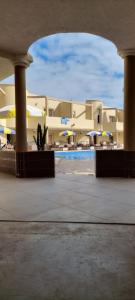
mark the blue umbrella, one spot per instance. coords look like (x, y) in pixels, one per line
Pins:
(93, 133)
(106, 133)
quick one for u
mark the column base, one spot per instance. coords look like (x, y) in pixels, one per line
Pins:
(115, 163)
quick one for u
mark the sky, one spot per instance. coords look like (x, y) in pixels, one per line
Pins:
(76, 66)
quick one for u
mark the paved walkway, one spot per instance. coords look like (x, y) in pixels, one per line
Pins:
(68, 197)
(65, 166)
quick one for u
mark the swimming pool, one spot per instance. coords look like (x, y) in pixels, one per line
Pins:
(82, 154)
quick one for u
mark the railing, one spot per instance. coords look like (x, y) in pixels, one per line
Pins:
(72, 123)
(31, 122)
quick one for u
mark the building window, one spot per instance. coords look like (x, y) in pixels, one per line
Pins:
(99, 116)
(98, 119)
(51, 112)
(112, 118)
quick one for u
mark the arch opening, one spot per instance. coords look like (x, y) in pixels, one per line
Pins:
(71, 70)
(69, 64)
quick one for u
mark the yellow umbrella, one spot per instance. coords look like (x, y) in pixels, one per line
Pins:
(6, 130)
(106, 133)
(67, 133)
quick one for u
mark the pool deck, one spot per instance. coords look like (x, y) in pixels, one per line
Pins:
(67, 238)
(66, 166)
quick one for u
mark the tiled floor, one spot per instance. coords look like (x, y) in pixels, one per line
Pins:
(77, 198)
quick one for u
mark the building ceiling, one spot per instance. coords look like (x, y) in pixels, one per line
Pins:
(23, 22)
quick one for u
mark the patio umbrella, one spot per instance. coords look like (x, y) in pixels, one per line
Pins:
(8, 111)
(93, 133)
(6, 130)
(106, 133)
(67, 133)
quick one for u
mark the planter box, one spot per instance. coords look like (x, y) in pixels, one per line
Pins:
(115, 163)
(35, 164)
(28, 164)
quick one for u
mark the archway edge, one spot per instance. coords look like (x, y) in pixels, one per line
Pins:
(23, 22)
(73, 32)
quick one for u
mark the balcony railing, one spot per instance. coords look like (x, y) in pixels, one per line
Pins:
(31, 122)
(72, 123)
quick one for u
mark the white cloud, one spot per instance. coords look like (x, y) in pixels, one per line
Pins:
(76, 66)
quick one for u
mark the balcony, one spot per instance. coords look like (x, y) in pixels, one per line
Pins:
(72, 123)
(10, 123)
(119, 126)
(113, 126)
(32, 122)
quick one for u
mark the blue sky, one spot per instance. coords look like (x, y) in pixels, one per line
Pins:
(78, 67)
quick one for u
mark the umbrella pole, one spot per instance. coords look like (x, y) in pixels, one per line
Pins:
(95, 139)
(69, 140)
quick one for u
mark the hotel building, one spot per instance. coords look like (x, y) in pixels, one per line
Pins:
(63, 115)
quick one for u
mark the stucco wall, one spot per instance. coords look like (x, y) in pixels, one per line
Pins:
(83, 117)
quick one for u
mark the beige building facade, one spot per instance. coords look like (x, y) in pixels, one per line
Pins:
(63, 115)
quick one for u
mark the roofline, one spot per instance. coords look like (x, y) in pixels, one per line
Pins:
(56, 99)
(94, 100)
(34, 96)
(109, 108)
(90, 101)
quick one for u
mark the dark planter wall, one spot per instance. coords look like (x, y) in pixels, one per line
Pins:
(8, 162)
(28, 164)
(115, 163)
(35, 164)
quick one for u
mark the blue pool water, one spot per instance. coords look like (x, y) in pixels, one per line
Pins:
(84, 154)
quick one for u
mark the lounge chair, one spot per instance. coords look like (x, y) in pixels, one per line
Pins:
(92, 148)
(65, 149)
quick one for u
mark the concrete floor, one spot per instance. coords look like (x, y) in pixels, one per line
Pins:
(65, 166)
(46, 256)
(76, 198)
(41, 261)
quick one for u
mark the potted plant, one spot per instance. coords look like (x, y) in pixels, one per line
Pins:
(37, 163)
(40, 140)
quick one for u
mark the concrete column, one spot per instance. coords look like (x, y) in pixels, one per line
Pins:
(21, 63)
(129, 99)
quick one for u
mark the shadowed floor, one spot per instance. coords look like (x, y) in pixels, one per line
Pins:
(66, 262)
